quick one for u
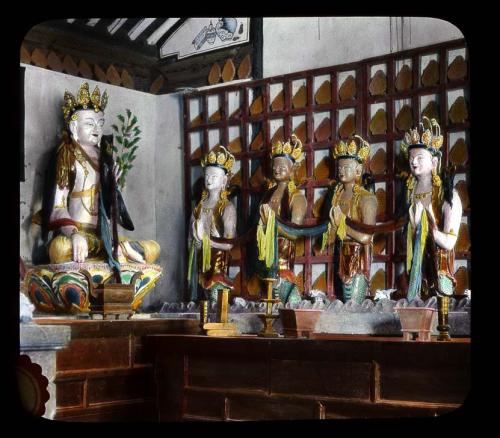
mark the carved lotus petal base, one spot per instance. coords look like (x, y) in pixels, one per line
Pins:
(65, 287)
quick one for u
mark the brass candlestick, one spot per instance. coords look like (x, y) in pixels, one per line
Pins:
(222, 305)
(268, 317)
(203, 313)
(222, 327)
(443, 326)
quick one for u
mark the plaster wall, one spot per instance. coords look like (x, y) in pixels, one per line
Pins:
(169, 197)
(294, 44)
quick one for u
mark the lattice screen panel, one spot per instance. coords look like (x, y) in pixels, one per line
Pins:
(379, 98)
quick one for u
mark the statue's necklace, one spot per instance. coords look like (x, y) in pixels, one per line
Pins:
(345, 202)
(275, 201)
(208, 205)
(423, 195)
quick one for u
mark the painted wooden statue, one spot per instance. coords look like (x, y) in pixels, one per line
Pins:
(80, 203)
(213, 217)
(347, 198)
(285, 201)
(435, 212)
(84, 169)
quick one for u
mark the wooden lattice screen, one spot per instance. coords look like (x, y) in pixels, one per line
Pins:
(379, 98)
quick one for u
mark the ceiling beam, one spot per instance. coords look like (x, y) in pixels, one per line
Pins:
(168, 34)
(93, 21)
(140, 27)
(102, 25)
(158, 33)
(93, 46)
(115, 25)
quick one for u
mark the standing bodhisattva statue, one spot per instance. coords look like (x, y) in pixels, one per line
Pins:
(214, 216)
(348, 198)
(285, 201)
(435, 212)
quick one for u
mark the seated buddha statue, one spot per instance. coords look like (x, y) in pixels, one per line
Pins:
(347, 198)
(289, 204)
(81, 209)
(83, 172)
(213, 217)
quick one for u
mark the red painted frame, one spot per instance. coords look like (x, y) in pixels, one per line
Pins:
(361, 103)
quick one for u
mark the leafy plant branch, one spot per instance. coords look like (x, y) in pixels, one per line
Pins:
(127, 135)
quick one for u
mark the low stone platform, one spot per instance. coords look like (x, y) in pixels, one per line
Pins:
(41, 343)
(369, 318)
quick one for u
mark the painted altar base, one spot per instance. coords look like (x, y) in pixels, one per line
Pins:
(65, 287)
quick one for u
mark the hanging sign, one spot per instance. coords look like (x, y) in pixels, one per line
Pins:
(200, 35)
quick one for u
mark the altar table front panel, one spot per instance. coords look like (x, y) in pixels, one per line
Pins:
(104, 373)
(250, 378)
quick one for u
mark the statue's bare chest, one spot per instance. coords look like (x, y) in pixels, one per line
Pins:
(275, 201)
(345, 202)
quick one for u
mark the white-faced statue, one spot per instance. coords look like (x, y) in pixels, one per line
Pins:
(215, 178)
(86, 130)
(422, 162)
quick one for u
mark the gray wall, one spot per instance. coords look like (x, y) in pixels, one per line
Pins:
(314, 42)
(169, 196)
